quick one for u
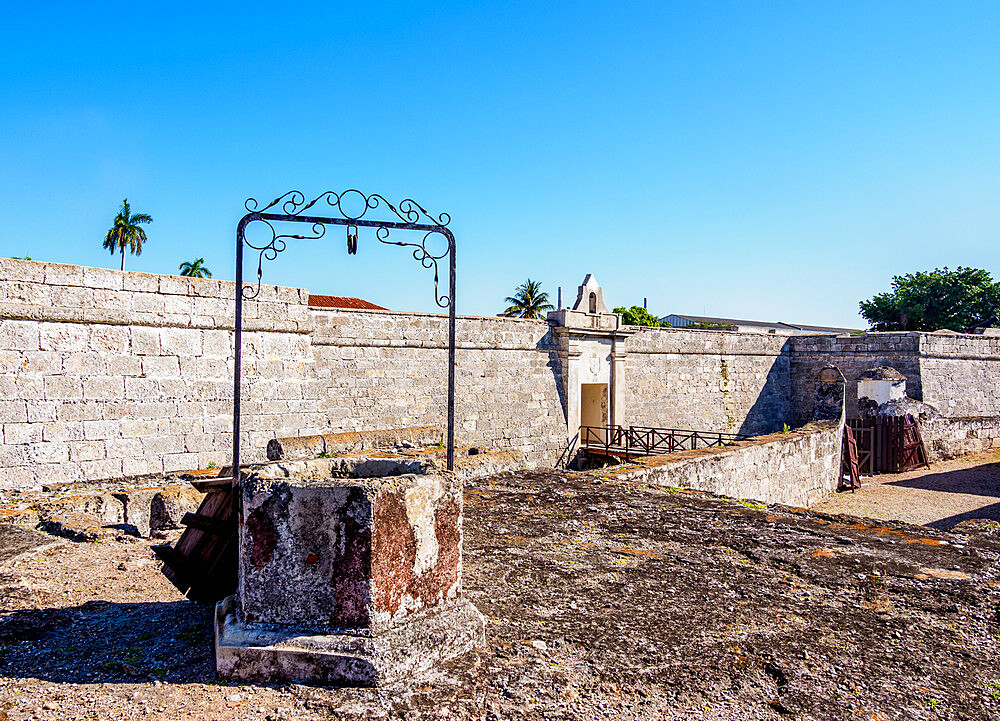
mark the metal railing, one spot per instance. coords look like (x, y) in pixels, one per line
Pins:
(646, 441)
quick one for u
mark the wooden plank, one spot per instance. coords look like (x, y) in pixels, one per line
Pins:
(203, 562)
(208, 523)
(849, 463)
(179, 574)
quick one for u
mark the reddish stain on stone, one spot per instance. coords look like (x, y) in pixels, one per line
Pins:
(395, 553)
(349, 575)
(312, 558)
(264, 537)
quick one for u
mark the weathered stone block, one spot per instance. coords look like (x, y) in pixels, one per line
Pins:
(102, 278)
(265, 654)
(63, 274)
(175, 285)
(145, 282)
(13, 412)
(124, 365)
(102, 506)
(19, 335)
(180, 461)
(63, 337)
(180, 341)
(348, 582)
(103, 388)
(87, 451)
(15, 433)
(148, 303)
(349, 554)
(114, 339)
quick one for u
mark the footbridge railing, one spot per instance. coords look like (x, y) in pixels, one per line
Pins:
(647, 441)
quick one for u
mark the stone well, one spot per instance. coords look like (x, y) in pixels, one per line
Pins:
(347, 581)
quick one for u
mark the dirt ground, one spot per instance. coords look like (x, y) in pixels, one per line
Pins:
(941, 496)
(603, 599)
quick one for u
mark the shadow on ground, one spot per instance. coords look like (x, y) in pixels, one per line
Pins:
(976, 481)
(102, 642)
(990, 513)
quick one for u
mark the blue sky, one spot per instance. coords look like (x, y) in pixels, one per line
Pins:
(777, 161)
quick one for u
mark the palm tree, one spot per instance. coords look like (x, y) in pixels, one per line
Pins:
(528, 302)
(196, 269)
(126, 233)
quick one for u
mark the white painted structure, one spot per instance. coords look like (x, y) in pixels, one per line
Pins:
(882, 385)
(595, 360)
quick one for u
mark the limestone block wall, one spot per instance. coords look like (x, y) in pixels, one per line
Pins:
(796, 468)
(708, 380)
(383, 369)
(958, 375)
(853, 355)
(106, 374)
(960, 378)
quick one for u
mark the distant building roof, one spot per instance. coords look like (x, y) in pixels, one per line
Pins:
(342, 301)
(681, 321)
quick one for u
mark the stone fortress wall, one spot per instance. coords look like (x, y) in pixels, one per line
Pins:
(708, 380)
(379, 369)
(108, 374)
(957, 375)
(105, 374)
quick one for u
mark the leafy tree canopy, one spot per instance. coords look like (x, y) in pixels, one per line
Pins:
(528, 301)
(952, 299)
(195, 269)
(637, 315)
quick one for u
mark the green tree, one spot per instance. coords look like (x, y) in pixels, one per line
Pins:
(942, 298)
(637, 315)
(126, 233)
(195, 269)
(529, 301)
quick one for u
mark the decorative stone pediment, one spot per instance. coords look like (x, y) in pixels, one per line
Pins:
(590, 297)
(589, 310)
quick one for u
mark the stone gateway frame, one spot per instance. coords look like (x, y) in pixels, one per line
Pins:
(352, 206)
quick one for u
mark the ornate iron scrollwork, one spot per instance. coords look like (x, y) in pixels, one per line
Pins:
(294, 203)
(425, 257)
(270, 251)
(352, 206)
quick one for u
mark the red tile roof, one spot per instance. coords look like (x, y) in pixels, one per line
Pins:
(342, 301)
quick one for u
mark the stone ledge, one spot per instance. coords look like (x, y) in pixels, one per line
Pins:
(301, 447)
(271, 654)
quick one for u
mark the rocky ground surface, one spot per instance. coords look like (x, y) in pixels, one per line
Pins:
(604, 599)
(941, 496)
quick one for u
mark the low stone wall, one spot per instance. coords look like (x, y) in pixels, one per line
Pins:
(796, 468)
(951, 437)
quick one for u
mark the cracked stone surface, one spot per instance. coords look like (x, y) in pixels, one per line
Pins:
(604, 599)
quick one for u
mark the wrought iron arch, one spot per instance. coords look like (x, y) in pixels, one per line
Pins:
(411, 216)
